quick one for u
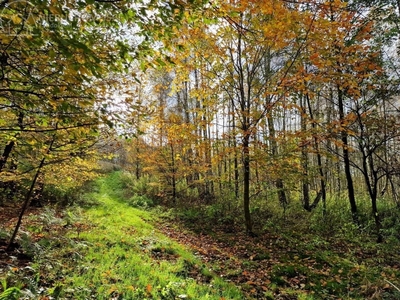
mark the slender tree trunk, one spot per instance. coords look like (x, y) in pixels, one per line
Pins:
(137, 160)
(173, 177)
(274, 150)
(6, 153)
(219, 161)
(319, 162)
(246, 183)
(11, 186)
(256, 167)
(208, 185)
(372, 188)
(28, 196)
(346, 158)
(235, 163)
(25, 205)
(374, 198)
(394, 193)
(339, 174)
(197, 121)
(304, 158)
(370, 175)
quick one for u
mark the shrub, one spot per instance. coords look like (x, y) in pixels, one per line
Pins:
(140, 201)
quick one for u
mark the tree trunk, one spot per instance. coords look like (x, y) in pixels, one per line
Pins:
(370, 176)
(372, 187)
(6, 153)
(137, 160)
(10, 186)
(173, 172)
(235, 162)
(304, 157)
(346, 159)
(319, 162)
(274, 150)
(394, 193)
(28, 197)
(246, 184)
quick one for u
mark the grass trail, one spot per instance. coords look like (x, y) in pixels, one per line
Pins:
(127, 258)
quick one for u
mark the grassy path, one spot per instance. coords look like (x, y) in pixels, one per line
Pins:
(127, 258)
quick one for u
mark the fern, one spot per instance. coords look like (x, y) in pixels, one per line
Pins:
(11, 293)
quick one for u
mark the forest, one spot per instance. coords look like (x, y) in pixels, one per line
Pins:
(193, 149)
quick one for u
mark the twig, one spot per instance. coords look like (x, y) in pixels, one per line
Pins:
(392, 284)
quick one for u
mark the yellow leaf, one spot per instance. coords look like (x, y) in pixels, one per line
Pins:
(112, 289)
(5, 39)
(16, 19)
(55, 10)
(80, 59)
(31, 20)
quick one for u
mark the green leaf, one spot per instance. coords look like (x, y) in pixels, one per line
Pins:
(11, 293)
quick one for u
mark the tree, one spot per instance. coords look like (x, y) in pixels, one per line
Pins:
(341, 62)
(249, 36)
(58, 61)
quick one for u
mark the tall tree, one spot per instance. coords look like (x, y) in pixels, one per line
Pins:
(248, 32)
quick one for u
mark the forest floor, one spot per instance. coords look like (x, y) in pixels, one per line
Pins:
(114, 251)
(294, 265)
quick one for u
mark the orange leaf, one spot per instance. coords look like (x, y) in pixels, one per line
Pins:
(314, 56)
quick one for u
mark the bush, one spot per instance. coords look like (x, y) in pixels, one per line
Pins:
(126, 185)
(140, 202)
(78, 195)
(147, 186)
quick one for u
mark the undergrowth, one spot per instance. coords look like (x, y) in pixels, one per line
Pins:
(108, 251)
(322, 254)
(113, 249)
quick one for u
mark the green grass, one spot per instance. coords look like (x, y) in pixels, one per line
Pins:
(114, 252)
